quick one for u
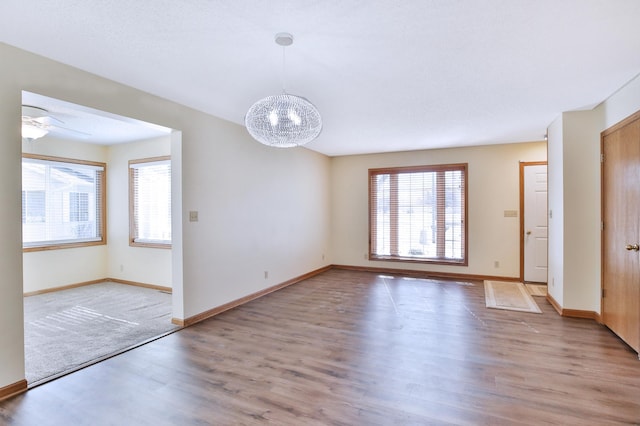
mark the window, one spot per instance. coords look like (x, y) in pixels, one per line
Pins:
(78, 206)
(150, 202)
(63, 203)
(32, 206)
(418, 214)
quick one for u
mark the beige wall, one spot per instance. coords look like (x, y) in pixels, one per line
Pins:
(123, 261)
(50, 268)
(621, 104)
(493, 188)
(261, 209)
(575, 199)
(574, 189)
(581, 210)
(555, 196)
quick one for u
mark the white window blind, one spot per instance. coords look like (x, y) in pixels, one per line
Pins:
(62, 202)
(418, 213)
(150, 192)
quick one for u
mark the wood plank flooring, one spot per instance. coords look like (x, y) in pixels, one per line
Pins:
(356, 348)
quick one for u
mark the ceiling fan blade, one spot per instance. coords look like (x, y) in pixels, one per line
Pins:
(49, 120)
(34, 111)
(30, 121)
(54, 128)
(41, 118)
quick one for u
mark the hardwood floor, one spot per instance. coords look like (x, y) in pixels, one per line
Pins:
(356, 348)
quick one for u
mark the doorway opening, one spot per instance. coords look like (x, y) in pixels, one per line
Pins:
(89, 293)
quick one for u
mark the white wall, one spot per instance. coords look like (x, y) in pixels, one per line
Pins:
(51, 268)
(260, 208)
(493, 188)
(139, 264)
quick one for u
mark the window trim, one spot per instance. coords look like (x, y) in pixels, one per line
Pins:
(102, 200)
(132, 241)
(394, 171)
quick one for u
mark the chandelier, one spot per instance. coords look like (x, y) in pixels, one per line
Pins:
(283, 120)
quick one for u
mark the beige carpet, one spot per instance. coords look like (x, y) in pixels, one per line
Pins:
(537, 289)
(67, 329)
(510, 296)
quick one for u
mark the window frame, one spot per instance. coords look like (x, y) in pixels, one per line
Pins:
(101, 205)
(132, 223)
(395, 171)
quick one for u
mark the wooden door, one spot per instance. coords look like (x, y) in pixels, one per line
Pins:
(535, 222)
(621, 231)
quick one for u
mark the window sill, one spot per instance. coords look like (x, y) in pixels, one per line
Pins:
(60, 246)
(429, 261)
(149, 244)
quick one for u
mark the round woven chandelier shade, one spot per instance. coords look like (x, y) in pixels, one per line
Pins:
(283, 121)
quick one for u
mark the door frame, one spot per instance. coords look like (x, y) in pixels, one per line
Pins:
(524, 164)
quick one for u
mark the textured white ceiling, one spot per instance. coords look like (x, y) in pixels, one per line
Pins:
(386, 75)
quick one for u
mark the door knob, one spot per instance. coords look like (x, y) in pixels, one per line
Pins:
(633, 247)
(528, 232)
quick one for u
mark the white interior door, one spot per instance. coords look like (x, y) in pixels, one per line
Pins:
(535, 223)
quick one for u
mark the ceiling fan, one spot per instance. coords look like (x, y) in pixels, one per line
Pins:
(38, 122)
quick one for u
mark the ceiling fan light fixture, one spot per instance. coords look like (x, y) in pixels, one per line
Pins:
(31, 132)
(284, 120)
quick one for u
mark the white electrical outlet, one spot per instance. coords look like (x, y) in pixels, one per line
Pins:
(496, 264)
(193, 216)
(266, 274)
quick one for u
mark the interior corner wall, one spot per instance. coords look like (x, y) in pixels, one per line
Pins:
(260, 209)
(581, 216)
(575, 244)
(263, 216)
(621, 104)
(555, 277)
(574, 203)
(493, 187)
(47, 269)
(144, 265)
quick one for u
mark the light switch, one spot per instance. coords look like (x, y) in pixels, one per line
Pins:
(511, 213)
(193, 216)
